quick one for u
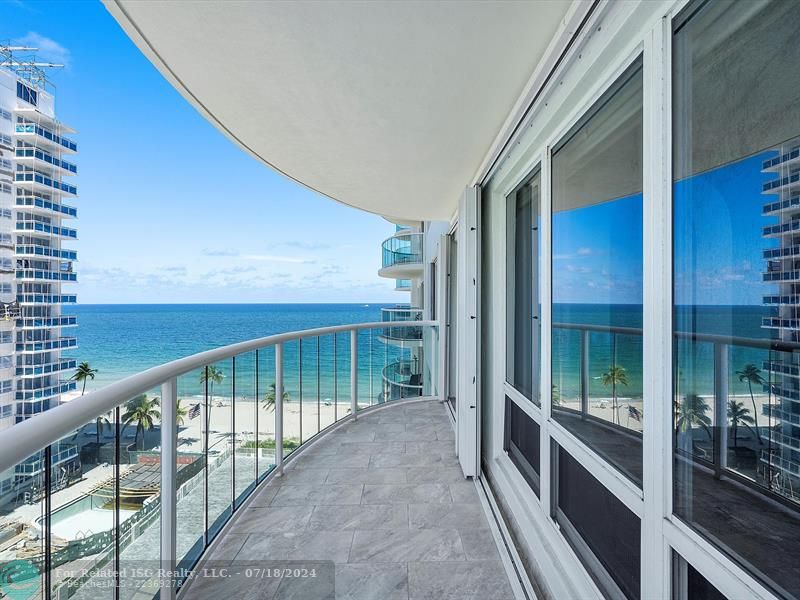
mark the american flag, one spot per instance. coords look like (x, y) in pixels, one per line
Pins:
(194, 411)
(634, 413)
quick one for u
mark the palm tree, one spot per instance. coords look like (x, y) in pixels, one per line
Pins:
(269, 397)
(144, 412)
(211, 374)
(180, 413)
(752, 374)
(613, 377)
(555, 396)
(83, 373)
(692, 411)
(739, 415)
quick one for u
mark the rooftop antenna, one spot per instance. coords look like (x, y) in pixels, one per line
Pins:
(26, 66)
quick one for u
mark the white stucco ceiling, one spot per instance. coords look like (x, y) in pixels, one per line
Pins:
(385, 106)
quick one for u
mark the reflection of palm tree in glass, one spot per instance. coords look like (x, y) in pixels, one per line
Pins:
(752, 374)
(613, 377)
(555, 396)
(692, 412)
(739, 415)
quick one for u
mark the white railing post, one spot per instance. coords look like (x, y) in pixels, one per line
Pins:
(169, 459)
(720, 408)
(279, 408)
(354, 372)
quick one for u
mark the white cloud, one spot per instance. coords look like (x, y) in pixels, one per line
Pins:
(49, 49)
(584, 251)
(276, 258)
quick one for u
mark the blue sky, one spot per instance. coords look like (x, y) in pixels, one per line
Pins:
(597, 250)
(169, 209)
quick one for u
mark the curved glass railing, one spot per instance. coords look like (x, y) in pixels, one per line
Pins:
(100, 499)
(402, 249)
(403, 324)
(403, 285)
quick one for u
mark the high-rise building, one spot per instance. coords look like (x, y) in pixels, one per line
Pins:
(35, 191)
(780, 462)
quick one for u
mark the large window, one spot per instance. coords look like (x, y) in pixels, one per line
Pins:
(600, 528)
(597, 276)
(523, 322)
(736, 256)
(522, 443)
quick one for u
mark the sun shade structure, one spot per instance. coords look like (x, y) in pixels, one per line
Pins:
(385, 106)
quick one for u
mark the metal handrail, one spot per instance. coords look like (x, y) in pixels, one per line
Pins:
(30, 436)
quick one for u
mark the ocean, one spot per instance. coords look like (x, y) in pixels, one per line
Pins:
(123, 339)
(120, 340)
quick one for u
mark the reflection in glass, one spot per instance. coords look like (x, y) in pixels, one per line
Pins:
(597, 276)
(736, 246)
(523, 323)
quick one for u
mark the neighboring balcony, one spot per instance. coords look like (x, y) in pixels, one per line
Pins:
(33, 299)
(46, 346)
(47, 229)
(44, 161)
(38, 393)
(402, 379)
(780, 229)
(402, 256)
(37, 205)
(34, 250)
(47, 322)
(44, 138)
(59, 366)
(401, 330)
(790, 182)
(43, 183)
(42, 275)
(403, 285)
(784, 159)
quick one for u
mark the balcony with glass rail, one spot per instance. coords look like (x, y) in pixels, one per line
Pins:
(46, 228)
(401, 329)
(34, 251)
(41, 182)
(57, 366)
(42, 393)
(44, 275)
(403, 379)
(403, 285)
(783, 159)
(32, 299)
(44, 137)
(402, 256)
(35, 204)
(789, 182)
(44, 160)
(47, 322)
(47, 345)
(290, 439)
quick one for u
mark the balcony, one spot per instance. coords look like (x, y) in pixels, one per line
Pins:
(28, 299)
(789, 182)
(788, 251)
(780, 228)
(371, 488)
(402, 379)
(37, 251)
(47, 322)
(47, 346)
(43, 393)
(32, 203)
(43, 137)
(773, 208)
(43, 275)
(402, 256)
(403, 331)
(43, 182)
(43, 160)
(789, 275)
(777, 322)
(46, 228)
(403, 285)
(789, 157)
(29, 371)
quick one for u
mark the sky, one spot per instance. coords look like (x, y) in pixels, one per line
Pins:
(717, 236)
(171, 211)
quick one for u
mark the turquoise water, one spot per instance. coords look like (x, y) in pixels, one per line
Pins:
(120, 340)
(695, 359)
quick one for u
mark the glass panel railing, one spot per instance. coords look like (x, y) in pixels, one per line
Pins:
(95, 494)
(403, 248)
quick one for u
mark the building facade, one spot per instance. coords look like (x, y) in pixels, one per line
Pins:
(36, 190)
